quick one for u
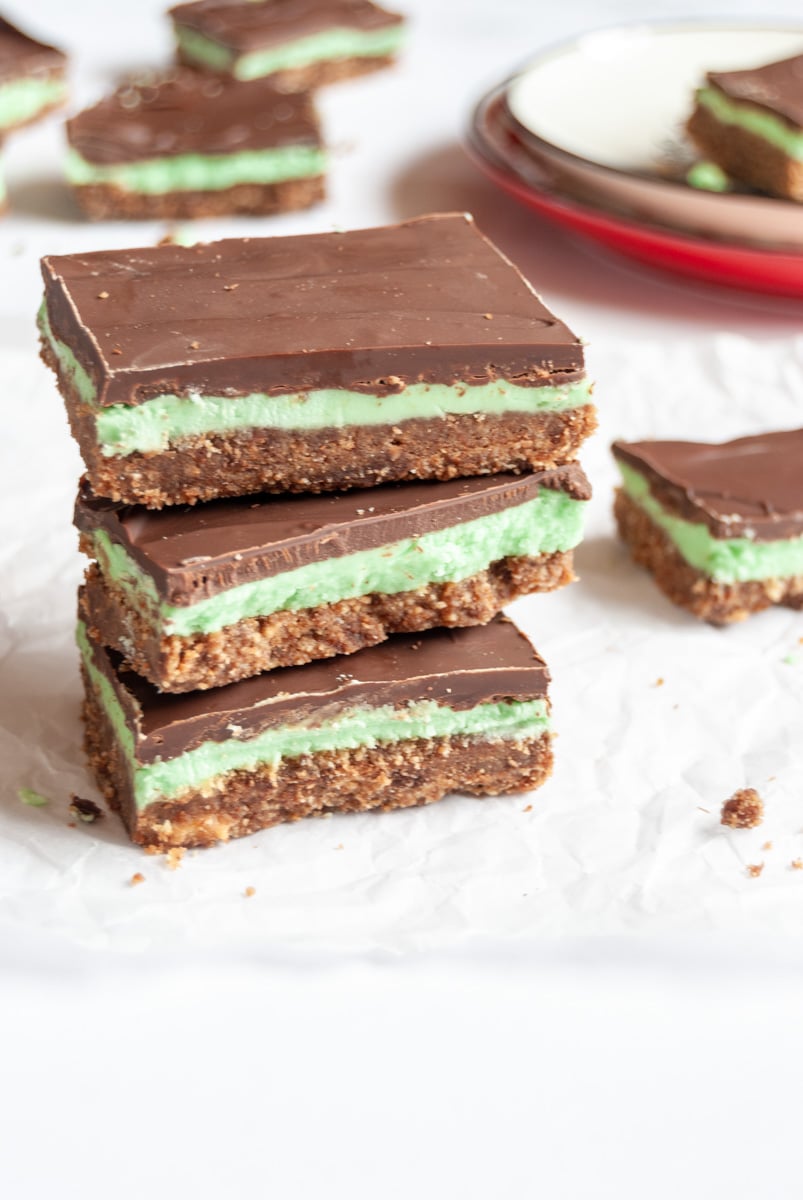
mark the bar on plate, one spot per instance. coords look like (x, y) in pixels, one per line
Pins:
(32, 78)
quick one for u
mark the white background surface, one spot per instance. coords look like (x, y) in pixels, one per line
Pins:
(591, 999)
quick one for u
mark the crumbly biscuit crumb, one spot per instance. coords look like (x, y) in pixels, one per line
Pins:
(755, 869)
(744, 810)
(250, 891)
(137, 878)
(85, 810)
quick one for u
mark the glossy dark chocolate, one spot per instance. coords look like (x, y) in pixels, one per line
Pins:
(776, 87)
(187, 112)
(192, 553)
(248, 26)
(458, 668)
(23, 56)
(429, 300)
(750, 487)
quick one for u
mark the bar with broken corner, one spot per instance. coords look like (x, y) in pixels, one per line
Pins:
(201, 597)
(393, 726)
(750, 123)
(186, 145)
(32, 78)
(300, 43)
(312, 363)
(719, 526)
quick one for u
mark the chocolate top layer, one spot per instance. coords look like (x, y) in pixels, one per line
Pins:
(21, 55)
(751, 487)
(200, 551)
(777, 87)
(190, 113)
(458, 668)
(368, 310)
(248, 26)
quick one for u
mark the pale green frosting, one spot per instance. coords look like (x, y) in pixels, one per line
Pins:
(200, 172)
(22, 99)
(755, 120)
(338, 43)
(549, 523)
(157, 424)
(725, 560)
(353, 728)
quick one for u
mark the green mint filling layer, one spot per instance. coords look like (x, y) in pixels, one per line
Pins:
(361, 726)
(22, 99)
(725, 560)
(550, 523)
(159, 423)
(755, 120)
(330, 44)
(200, 172)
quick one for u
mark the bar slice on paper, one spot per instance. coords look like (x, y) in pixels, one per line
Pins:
(301, 43)
(189, 145)
(312, 363)
(32, 78)
(393, 726)
(719, 526)
(750, 123)
(201, 597)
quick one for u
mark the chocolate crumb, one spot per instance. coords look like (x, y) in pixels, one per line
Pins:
(250, 891)
(85, 810)
(755, 869)
(744, 810)
(138, 878)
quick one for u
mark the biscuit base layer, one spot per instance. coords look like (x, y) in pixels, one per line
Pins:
(684, 585)
(396, 775)
(315, 75)
(105, 201)
(291, 638)
(746, 156)
(356, 456)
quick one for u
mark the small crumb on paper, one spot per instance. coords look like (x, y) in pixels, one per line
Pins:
(339, 846)
(659, 681)
(755, 869)
(767, 846)
(250, 891)
(529, 808)
(31, 798)
(796, 864)
(174, 856)
(744, 810)
(85, 810)
(137, 878)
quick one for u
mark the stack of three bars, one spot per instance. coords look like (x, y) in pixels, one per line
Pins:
(412, 363)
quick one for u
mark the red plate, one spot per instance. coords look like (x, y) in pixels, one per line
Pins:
(505, 159)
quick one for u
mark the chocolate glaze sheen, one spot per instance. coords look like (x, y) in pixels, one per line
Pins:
(202, 550)
(244, 27)
(776, 87)
(187, 112)
(750, 487)
(459, 668)
(428, 300)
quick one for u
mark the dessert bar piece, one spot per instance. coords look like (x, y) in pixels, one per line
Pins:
(191, 145)
(200, 597)
(393, 726)
(719, 526)
(301, 43)
(31, 78)
(750, 123)
(310, 364)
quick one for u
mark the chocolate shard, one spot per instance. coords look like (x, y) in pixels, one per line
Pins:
(245, 26)
(22, 56)
(776, 87)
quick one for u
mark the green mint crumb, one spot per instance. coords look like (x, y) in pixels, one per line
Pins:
(708, 177)
(32, 798)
